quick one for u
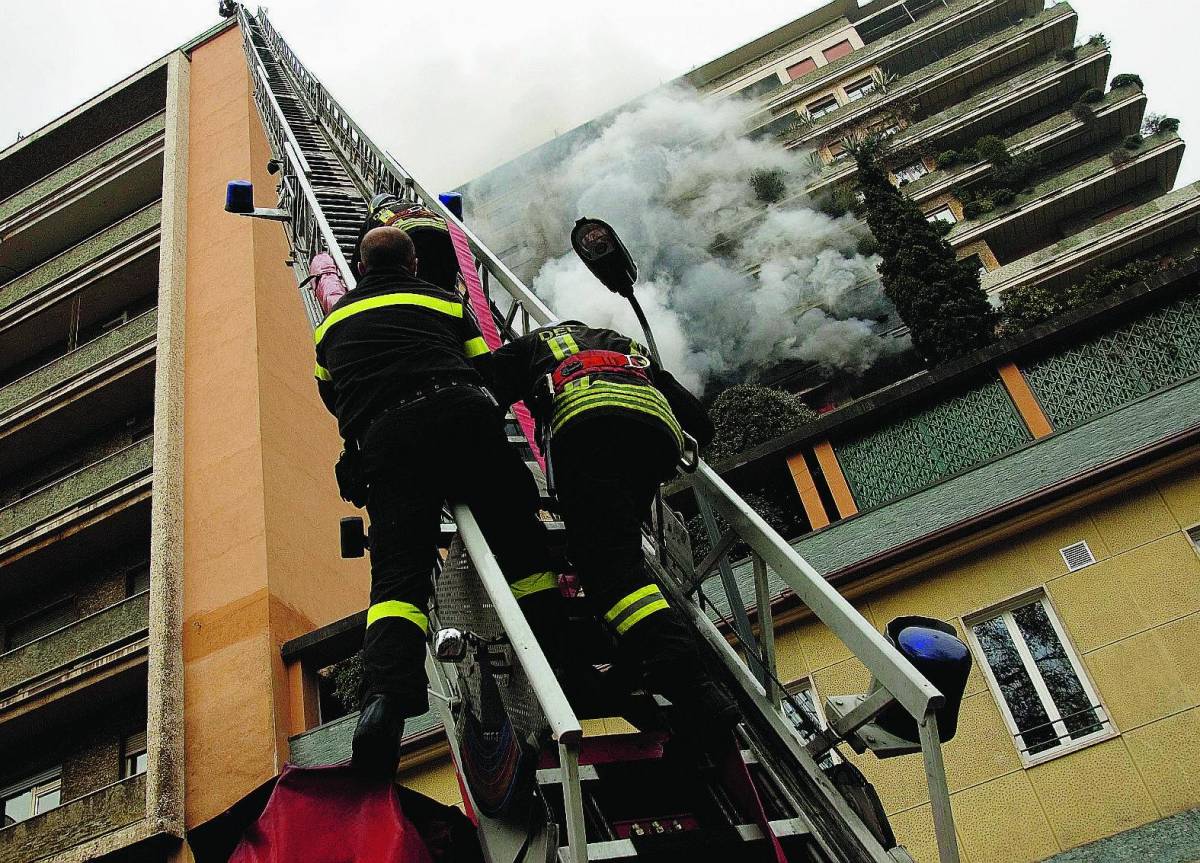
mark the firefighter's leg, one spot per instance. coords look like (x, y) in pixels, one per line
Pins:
(494, 482)
(404, 524)
(605, 494)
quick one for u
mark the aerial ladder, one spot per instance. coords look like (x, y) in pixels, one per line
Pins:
(538, 788)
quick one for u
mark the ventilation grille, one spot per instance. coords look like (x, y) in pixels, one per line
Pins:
(1077, 556)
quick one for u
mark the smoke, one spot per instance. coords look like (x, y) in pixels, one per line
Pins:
(730, 285)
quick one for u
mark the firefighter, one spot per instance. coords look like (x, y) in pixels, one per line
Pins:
(609, 420)
(399, 364)
(427, 230)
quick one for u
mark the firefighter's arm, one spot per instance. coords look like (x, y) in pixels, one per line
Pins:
(475, 348)
(324, 384)
(510, 372)
(686, 407)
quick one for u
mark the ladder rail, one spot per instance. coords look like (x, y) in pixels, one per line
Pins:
(377, 170)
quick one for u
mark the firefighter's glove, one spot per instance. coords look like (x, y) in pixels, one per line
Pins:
(351, 483)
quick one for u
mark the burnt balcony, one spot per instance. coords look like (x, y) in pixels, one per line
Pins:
(94, 484)
(106, 247)
(75, 822)
(88, 637)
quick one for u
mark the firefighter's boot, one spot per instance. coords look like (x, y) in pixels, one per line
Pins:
(660, 646)
(376, 744)
(588, 691)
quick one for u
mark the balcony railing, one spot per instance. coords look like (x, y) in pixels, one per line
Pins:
(77, 488)
(81, 167)
(80, 255)
(123, 621)
(139, 331)
(75, 822)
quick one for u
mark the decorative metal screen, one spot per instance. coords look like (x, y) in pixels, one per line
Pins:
(925, 447)
(1154, 351)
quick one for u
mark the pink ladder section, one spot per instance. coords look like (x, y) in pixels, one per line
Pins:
(487, 324)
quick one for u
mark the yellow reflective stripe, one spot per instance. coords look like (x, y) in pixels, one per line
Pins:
(475, 347)
(556, 349)
(535, 583)
(672, 427)
(419, 222)
(384, 214)
(643, 612)
(321, 373)
(569, 344)
(630, 599)
(396, 608)
(646, 400)
(446, 307)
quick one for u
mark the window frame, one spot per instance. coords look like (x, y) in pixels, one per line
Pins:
(36, 785)
(911, 166)
(128, 752)
(933, 215)
(67, 603)
(831, 102)
(1192, 534)
(1005, 609)
(864, 87)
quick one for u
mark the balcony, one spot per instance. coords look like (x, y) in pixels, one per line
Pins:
(86, 360)
(950, 80)
(1109, 243)
(911, 47)
(1118, 114)
(112, 242)
(90, 484)
(76, 821)
(1005, 105)
(1040, 214)
(89, 169)
(330, 743)
(90, 636)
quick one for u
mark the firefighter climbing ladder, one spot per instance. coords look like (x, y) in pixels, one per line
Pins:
(327, 169)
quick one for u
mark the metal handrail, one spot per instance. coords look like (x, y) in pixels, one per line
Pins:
(378, 171)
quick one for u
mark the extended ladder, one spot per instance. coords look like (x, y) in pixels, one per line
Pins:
(328, 168)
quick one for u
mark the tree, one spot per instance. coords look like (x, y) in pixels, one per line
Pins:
(747, 415)
(768, 185)
(937, 296)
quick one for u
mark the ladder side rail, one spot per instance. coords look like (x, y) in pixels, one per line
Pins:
(907, 685)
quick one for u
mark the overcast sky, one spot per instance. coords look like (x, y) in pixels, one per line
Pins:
(453, 89)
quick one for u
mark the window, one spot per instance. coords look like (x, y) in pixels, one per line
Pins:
(838, 51)
(837, 152)
(911, 172)
(887, 131)
(860, 89)
(133, 755)
(822, 107)
(941, 214)
(1193, 533)
(1045, 697)
(31, 796)
(761, 87)
(777, 127)
(802, 68)
(806, 714)
(39, 623)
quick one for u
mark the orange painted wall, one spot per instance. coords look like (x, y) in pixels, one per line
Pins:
(261, 558)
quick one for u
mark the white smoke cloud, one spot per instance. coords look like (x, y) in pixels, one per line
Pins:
(673, 176)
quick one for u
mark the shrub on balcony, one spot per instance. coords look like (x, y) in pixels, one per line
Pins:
(991, 148)
(1092, 95)
(347, 681)
(867, 246)
(1001, 197)
(1127, 78)
(1066, 54)
(1083, 113)
(1132, 142)
(1099, 40)
(778, 513)
(747, 415)
(975, 209)
(1027, 305)
(1120, 156)
(768, 185)
(937, 296)
(947, 159)
(841, 200)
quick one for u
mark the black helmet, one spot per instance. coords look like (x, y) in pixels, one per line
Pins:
(383, 199)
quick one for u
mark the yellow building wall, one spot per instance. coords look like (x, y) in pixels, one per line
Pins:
(1133, 618)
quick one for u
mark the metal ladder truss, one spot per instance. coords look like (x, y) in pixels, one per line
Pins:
(327, 169)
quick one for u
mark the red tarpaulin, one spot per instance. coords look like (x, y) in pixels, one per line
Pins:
(331, 815)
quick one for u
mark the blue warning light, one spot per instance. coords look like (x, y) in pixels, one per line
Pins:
(921, 642)
(239, 197)
(453, 202)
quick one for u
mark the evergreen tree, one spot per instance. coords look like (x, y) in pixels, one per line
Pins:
(938, 297)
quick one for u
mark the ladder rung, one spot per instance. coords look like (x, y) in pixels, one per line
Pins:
(624, 849)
